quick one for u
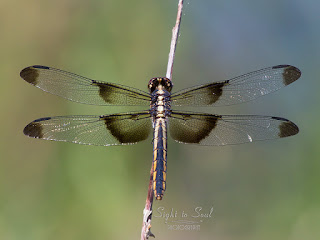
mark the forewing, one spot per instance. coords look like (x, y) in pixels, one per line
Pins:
(81, 89)
(237, 90)
(116, 129)
(209, 129)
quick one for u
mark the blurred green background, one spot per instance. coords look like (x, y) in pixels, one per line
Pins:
(54, 190)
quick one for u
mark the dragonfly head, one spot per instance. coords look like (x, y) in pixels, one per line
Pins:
(160, 83)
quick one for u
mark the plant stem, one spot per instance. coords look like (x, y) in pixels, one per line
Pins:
(147, 212)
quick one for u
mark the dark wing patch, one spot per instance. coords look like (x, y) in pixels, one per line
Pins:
(191, 128)
(290, 74)
(127, 128)
(118, 129)
(209, 129)
(207, 94)
(30, 75)
(237, 90)
(286, 128)
(84, 90)
(34, 129)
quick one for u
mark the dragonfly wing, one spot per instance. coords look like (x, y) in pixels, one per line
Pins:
(105, 130)
(81, 89)
(237, 90)
(210, 129)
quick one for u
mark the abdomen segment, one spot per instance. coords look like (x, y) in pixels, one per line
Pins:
(160, 158)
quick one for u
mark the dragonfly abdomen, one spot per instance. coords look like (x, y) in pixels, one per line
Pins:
(160, 158)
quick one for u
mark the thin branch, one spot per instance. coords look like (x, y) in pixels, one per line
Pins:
(147, 212)
(174, 40)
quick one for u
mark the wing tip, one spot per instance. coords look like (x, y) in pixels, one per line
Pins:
(290, 73)
(34, 129)
(287, 128)
(31, 74)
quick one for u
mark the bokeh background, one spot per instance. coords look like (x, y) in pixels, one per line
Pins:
(53, 190)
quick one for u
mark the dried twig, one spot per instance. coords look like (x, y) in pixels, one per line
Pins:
(147, 212)
(174, 40)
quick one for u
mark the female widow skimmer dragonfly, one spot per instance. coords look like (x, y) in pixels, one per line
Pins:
(184, 127)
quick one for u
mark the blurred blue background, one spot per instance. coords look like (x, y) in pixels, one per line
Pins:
(263, 190)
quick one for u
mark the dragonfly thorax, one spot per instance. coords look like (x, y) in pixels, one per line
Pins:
(160, 102)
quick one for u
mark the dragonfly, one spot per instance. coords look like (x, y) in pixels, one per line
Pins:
(159, 118)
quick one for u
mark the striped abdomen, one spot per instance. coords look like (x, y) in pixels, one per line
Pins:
(160, 158)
